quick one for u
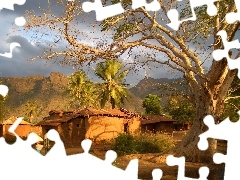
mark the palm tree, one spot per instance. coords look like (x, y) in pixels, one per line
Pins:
(81, 89)
(113, 89)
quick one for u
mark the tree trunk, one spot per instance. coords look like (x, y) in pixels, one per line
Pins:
(113, 102)
(188, 146)
(31, 119)
(189, 149)
(209, 101)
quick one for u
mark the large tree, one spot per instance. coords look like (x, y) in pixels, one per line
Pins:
(152, 104)
(146, 33)
(112, 89)
(180, 109)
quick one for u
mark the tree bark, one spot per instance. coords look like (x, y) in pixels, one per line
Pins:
(113, 103)
(189, 149)
(209, 101)
(188, 146)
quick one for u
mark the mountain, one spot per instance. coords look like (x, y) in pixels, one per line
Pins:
(155, 86)
(49, 93)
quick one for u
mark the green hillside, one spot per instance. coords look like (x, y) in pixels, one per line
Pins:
(49, 94)
(155, 86)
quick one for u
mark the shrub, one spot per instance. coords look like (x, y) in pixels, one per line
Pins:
(142, 143)
(10, 140)
(124, 143)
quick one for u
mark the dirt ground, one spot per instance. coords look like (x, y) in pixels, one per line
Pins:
(146, 165)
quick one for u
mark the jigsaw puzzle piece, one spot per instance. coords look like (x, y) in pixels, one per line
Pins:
(231, 164)
(152, 6)
(219, 54)
(13, 155)
(173, 14)
(3, 90)
(216, 131)
(86, 145)
(232, 158)
(20, 21)
(13, 127)
(12, 46)
(131, 170)
(58, 149)
(234, 16)
(103, 169)
(3, 148)
(157, 174)
(110, 156)
(180, 162)
(9, 4)
(102, 12)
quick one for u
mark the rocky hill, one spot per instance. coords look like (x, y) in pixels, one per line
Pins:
(49, 93)
(155, 86)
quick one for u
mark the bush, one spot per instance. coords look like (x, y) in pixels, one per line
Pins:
(124, 143)
(142, 143)
(12, 139)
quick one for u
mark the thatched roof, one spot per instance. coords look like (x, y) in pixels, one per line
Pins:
(150, 119)
(59, 111)
(57, 121)
(86, 112)
(101, 112)
(11, 120)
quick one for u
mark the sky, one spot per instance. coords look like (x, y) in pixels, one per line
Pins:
(19, 66)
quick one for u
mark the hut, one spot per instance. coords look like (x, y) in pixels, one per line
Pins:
(157, 123)
(22, 130)
(88, 123)
(185, 126)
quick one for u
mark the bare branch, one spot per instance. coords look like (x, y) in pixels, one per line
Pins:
(233, 97)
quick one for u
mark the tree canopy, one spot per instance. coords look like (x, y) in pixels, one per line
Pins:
(180, 109)
(232, 101)
(113, 88)
(82, 91)
(152, 104)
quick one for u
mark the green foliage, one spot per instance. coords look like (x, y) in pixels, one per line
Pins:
(204, 24)
(232, 101)
(125, 28)
(142, 143)
(31, 110)
(112, 89)
(125, 144)
(2, 107)
(230, 111)
(81, 90)
(180, 109)
(152, 104)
